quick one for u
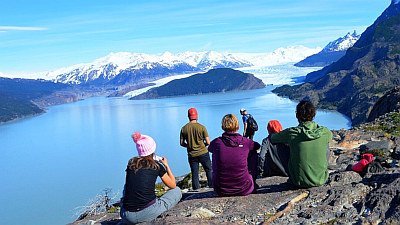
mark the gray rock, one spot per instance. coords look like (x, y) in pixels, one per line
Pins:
(346, 198)
(396, 153)
(384, 145)
(384, 201)
(202, 213)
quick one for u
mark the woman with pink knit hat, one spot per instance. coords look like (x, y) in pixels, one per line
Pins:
(273, 158)
(139, 202)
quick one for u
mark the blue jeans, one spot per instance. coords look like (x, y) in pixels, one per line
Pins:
(194, 168)
(162, 204)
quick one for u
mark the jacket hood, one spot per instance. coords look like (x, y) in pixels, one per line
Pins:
(311, 130)
(232, 139)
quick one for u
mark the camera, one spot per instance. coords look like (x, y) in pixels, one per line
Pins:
(157, 158)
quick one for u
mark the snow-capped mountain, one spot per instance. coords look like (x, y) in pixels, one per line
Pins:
(342, 43)
(331, 52)
(132, 68)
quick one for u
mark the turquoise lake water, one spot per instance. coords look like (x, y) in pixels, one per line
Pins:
(52, 163)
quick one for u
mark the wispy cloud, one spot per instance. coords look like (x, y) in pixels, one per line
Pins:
(19, 28)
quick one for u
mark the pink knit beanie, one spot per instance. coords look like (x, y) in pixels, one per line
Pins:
(145, 145)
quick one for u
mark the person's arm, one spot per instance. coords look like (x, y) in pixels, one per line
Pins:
(244, 129)
(182, 140)
(168, 178)
(263, 150)
(206, 137)
(211, 146)
(244, 118)
(281, 137)
(330, 135)
(183, 143)
(207, 141)
(256, 146)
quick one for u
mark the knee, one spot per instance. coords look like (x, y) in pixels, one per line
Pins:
(178, 193)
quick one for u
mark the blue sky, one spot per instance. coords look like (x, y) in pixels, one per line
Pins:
(44, 35)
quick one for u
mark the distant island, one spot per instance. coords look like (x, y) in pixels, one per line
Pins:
(213, 81)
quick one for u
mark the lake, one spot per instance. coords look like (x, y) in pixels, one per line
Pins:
(57, 161)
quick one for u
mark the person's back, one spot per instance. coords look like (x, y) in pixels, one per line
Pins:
(247, 130)
(195, 134)
(308, 163)
(234, 160)
(230, 171)
(194, 137)
(140, 186)
(274, 158)
(139, 202)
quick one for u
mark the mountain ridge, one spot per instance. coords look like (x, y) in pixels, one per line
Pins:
(332, 52)
(354, 83)
(17, 97)
(127, 68)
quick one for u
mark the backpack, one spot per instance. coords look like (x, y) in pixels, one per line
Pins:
(252, 123)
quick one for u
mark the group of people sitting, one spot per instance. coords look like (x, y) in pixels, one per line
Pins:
(300, 153)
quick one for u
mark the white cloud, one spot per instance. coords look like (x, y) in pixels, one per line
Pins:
(17, 28)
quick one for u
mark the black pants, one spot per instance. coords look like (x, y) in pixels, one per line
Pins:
(194, 167)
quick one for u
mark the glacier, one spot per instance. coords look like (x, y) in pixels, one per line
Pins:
(116, 66)
(270, 75)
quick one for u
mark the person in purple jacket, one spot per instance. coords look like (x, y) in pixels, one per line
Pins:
(234, 160)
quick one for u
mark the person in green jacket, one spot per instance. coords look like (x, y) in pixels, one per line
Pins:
(309, 147)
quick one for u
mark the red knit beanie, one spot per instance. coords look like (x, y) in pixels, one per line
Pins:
(274, 127)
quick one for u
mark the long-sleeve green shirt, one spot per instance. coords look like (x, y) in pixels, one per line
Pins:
(308, 164)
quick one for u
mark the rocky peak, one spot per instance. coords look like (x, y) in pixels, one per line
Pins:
(390, 102)
(342, 43)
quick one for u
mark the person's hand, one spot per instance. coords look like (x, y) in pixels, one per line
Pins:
(164, 161)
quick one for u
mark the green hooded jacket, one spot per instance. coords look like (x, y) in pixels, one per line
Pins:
(309, 144)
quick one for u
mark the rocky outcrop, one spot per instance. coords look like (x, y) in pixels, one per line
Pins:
(390, 102)
(347, 197)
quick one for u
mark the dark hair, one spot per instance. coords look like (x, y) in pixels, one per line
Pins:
(143, 162)
(305, 111)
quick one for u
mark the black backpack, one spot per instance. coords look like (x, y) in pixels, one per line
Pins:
(252, 123)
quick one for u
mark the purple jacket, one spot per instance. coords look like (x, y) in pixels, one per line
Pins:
(229, 163)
